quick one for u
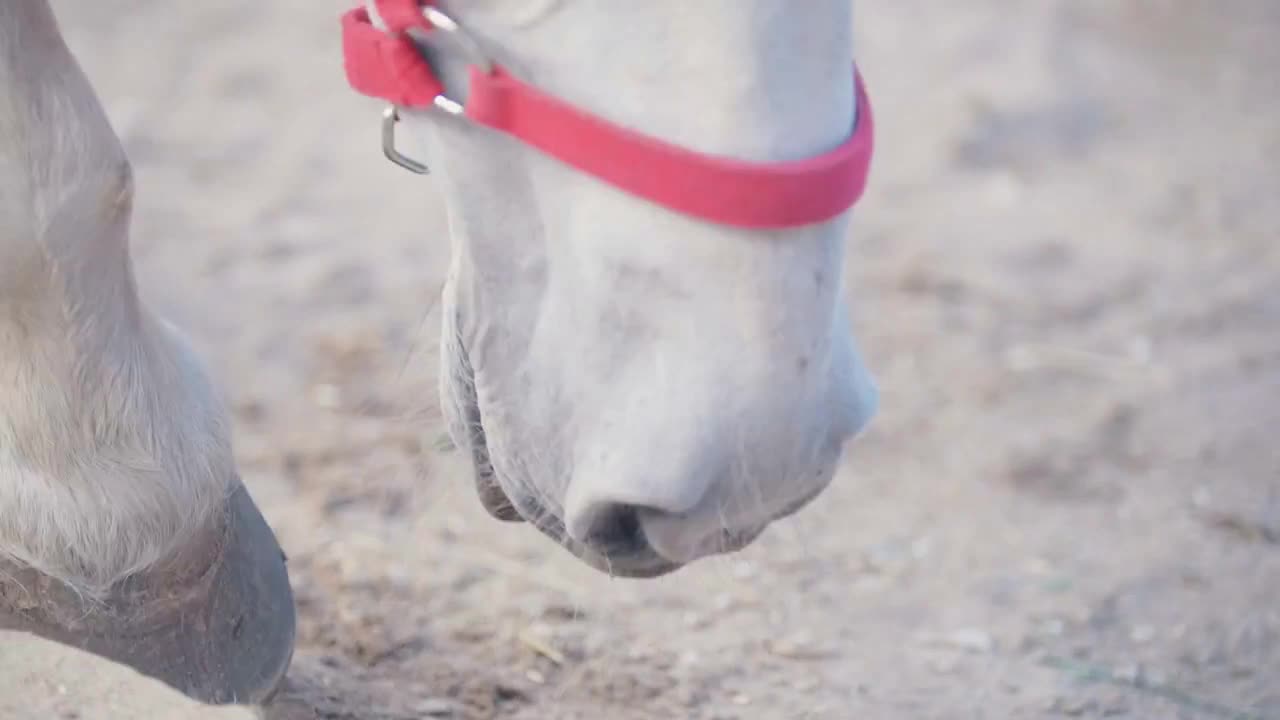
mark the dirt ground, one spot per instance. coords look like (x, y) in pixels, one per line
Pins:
(1066, 276)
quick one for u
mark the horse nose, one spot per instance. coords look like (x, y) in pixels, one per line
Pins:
(626, 532)
(608, 507)
(613, 529)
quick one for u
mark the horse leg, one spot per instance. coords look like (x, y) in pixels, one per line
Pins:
(124, 528)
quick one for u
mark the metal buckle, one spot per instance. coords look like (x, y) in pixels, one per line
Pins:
(391, 115)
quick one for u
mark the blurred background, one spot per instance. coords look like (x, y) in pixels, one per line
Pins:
(1066, 276)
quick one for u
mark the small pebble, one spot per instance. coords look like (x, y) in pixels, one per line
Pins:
(694, 620)
(1116, 709)
(1054, 626)
(943, 665)
(436, 708)
(1003, 190)
(1039, 566)
(808, 683)
(1077, 707)
(326, 396)
(974, 640)
(1201, 497)
(1127, 673)
(1140, 350)
(1142, 633)
(921, 547)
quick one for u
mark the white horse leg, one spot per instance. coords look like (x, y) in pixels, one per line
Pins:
(123, 526)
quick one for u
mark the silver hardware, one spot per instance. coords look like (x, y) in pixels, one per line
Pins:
(391, 116)
(389, 119)
(465, 41)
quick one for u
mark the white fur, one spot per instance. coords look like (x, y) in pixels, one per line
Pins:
(618, 352)
(113, 445)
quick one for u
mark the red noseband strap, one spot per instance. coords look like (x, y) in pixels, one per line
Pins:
(718, 189)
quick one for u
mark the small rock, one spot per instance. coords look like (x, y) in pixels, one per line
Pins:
(1142, 633)
(800, 646)
(974, 640)
(889, 558)
(436, 708)
(1201, 497)
(741, 699)
(326, 396)
(694, 620)
(943, 665)
(1140, 350)
(1039, 566)
(921, 547)
(1116, 708)
(1003, 189)
(1241, 671)
(867, 584)
(1057, 585)
(1073, 707)
(1127, 673)
(806, 683)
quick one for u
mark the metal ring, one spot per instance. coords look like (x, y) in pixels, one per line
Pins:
(468, 44)
(390, 117)
(465, 42)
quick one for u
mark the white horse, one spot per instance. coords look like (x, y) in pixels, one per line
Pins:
(645, 377)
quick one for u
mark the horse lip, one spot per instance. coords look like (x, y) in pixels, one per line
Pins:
(494, 499)
(642, 564)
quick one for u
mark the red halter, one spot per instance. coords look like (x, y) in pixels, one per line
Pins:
(722, 190)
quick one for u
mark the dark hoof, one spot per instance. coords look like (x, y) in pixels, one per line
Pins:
(215, 622)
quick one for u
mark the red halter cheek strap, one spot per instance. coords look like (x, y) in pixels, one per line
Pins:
(717, 189)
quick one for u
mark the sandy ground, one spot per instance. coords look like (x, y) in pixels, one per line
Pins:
(1066, 275)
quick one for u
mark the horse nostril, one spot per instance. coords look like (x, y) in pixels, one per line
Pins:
(615, 530)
